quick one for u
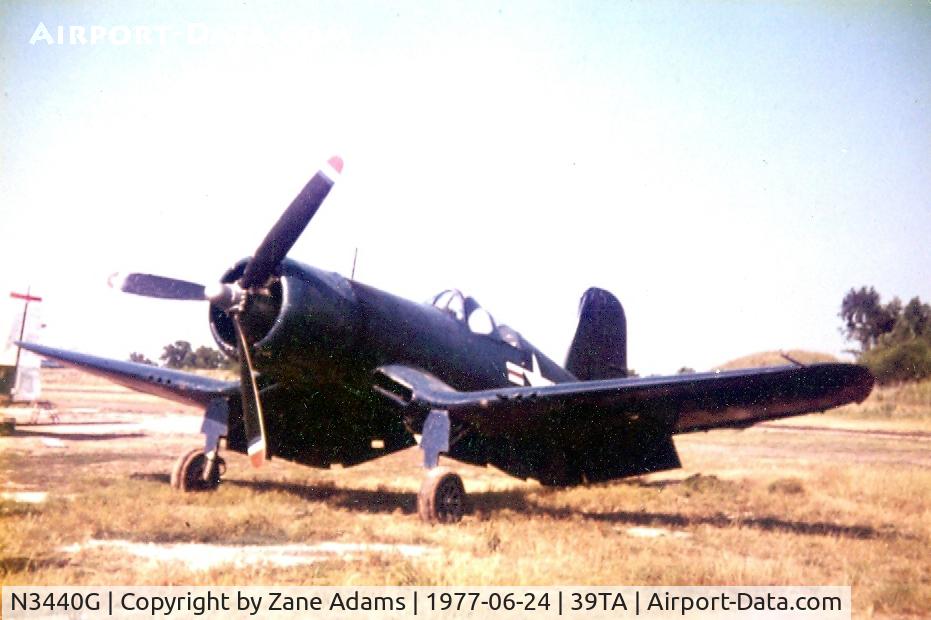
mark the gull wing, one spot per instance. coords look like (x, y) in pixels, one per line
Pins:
(679, 403)
(183, 387)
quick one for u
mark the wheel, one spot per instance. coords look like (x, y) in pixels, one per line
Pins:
(442, 497)
(188, 473)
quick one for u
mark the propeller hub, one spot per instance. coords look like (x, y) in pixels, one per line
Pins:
(225, 296)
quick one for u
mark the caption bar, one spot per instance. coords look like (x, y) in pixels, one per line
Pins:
(230, 602)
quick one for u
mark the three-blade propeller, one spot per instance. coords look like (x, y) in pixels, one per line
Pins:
(232, 297)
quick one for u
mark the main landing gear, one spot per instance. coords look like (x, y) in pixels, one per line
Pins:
(194, 471)
(442, 497)
(200, 469)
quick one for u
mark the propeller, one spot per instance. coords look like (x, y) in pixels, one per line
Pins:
(148, 285)
(290, 225)
(232, 297)
(251, 404)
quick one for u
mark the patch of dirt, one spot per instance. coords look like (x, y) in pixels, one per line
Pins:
(201, 557)
(654, 532)
(25, 497)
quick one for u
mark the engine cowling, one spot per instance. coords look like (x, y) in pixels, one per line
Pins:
(304, 321)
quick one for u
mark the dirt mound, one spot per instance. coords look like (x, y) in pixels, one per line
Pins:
(775, 358)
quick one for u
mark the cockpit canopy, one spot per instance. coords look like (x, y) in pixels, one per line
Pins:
(479, 321)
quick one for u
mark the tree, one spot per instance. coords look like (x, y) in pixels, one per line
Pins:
(895, 340)
(177, 355)
(139, 358)
(916, 318)
(865, 318)
(180, 355)
(205, 357)
(907, 361)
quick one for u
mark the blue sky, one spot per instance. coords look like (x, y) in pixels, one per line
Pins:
(728, 170)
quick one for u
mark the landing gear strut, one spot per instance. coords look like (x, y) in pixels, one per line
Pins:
(193, 471)
(442, 497)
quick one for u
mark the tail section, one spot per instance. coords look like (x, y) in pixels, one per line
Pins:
(599, 348)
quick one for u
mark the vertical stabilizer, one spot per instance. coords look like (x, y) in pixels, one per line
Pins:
(599, 348)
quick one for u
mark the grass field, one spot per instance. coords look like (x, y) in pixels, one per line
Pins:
(841, 498)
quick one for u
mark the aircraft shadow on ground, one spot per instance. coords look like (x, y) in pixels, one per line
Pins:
(76, 436)
(488, 504)
(162, 478)
(21, 563)
(75, 423)
(363, 500)
(765, 523)
(519, 501)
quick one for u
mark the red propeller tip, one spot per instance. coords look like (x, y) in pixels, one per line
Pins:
(256, 451)
(337, 163)
(257, 459)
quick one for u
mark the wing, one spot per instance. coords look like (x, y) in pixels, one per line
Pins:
(680, 403)
(175, 385)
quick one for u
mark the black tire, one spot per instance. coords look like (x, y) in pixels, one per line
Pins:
(442, 497)
(188, 473)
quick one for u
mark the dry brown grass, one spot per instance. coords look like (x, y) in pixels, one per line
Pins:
(769, 505)
(904, 406)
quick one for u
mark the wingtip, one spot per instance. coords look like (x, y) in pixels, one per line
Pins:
(864, 383)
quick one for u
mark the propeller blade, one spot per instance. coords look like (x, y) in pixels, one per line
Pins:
(251, 405)
(148, 285)
(290, 225)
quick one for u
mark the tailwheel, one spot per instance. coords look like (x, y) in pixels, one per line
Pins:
(188, 473)
(442, 498)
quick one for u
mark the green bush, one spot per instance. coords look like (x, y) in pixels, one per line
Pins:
(908, 361)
